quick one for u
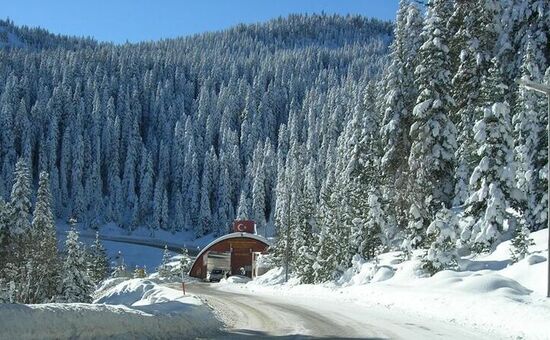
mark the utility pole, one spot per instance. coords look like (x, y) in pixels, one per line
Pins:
(545, 89)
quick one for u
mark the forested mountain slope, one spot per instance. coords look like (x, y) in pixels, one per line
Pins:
(185, 133)
(13, 36)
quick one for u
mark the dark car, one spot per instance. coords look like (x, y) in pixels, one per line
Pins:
(216, 275)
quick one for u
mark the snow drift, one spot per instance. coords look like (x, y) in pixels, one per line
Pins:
(489, 293)
(132, 309)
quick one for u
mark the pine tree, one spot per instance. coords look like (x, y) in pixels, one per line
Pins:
(432, 133)
(4, 232)
(520, 244)
(76, 285)
(226, 212)
(474, 39)
(99, 263)
(185, 261)
(178, 220)
(531, 155)
(258, 194)
(205, 215)
(164, 269)
(399, 101)
(492, 181)
(327, 259)
(20, 268)
(45, 254)
(115, 184)
(146, 190)
(21, 199)
(442, 234)
(158, 204)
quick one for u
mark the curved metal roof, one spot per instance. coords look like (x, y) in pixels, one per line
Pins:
(234, 235)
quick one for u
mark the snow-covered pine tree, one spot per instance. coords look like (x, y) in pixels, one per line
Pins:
(76, 285)
(492, 181)
(474, 42)
(76, 171)
(8, 106)
(178, 219)
(4, 232)
(99, 263)
(327, 261)
(258, 189)
(303, 223)
(165, 218)
(364, 179)
(205, 212)
(48, 266)
(442, 234)
(244, 210)
(21, 199)
(281, 251)
(164, 270)
(543, 172)
(185, 261)
(129, 173)
(530, 142)
(432, 133)
(113, 169)
(21, 261)
(224, 203)
(399, 100)
(146, 191)
(521, 243)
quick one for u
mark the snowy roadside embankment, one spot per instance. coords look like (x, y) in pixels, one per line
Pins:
(490, 294)
(130, 309)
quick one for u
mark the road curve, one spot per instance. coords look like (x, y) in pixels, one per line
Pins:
(153, 243)
(247, 315)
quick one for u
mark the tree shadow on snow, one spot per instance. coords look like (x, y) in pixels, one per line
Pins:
(246, 333)
(476, 265)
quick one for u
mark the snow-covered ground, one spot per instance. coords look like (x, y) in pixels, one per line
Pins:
(123, 309)
(490, 294)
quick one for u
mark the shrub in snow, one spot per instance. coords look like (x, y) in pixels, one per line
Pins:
(521, 243)
(140, 273)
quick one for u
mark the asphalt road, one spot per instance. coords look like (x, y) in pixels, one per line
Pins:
(192, 251)
(248, 315)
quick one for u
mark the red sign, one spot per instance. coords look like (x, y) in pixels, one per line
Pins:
(244, 226)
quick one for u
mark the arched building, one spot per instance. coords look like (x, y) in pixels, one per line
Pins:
(231, 252)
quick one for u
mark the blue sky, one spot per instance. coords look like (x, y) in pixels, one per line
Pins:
(139, 20)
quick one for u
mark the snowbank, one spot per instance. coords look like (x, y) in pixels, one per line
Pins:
(235, 279)
(489, 294)
(128, 309)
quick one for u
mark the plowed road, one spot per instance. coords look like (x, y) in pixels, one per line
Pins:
(247, 315)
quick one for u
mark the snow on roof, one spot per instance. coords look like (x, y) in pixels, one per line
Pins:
(234, 235)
